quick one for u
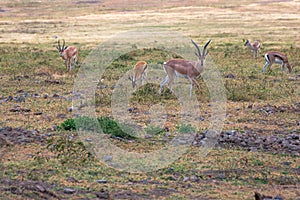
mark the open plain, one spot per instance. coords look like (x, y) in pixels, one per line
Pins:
(258, 149)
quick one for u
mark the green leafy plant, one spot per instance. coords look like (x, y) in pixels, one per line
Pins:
(154, 130)
(101, 124)
(112, 127)
(186, 128)
(67, 125)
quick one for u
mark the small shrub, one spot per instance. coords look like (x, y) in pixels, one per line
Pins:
(102, 124)
(69, 150)
(147, 93)
(68, 125)
(109, 126)
(85, 123)
(126, 57)
(186, 128)
(154, 130)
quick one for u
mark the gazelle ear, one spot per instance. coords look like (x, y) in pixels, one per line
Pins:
(65, 47)
(57, 47)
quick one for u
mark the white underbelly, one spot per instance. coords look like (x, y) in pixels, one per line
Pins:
(180, 75)
(278, 61)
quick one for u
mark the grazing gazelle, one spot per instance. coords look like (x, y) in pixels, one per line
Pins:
(255, 48)
(68, 53)
(185, 68)
(140, 72)
(276, 57)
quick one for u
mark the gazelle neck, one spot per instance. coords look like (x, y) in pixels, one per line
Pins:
(250, 46)
(199, 65)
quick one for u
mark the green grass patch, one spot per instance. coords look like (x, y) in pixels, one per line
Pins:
(103, 124)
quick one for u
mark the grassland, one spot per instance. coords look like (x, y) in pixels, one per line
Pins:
(30, 68)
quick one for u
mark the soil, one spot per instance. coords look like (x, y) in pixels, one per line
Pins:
(281, 142)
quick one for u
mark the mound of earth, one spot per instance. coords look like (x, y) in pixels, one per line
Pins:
(281, 142)
(9, 135)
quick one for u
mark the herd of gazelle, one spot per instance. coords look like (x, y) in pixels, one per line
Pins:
(175, 67)
(271, 57)
(180, 67)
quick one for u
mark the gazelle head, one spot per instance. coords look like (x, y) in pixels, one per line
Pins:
(201, 57)
(247, 43)
(290, 67)
(62, 48)
(140, 73)
(133, 81)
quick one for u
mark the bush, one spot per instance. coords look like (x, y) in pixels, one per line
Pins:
(101, 124)
(186, 128)
(67, 125)
(69, 151)
(154, 130)
(109, 126)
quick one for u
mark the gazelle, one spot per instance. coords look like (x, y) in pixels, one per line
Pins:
(68, 53)
(255, 48)
(185, 68)
(276, 57)
(140, 72)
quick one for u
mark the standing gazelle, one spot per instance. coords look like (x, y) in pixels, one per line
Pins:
(255, 48)
(140, 72)
(68, 53)
(276, 57)
(185, 68)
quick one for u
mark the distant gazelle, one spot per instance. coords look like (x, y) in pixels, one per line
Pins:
(185, 68)
(140, 72)
(255, 48)
(276, 57)
(68, 53)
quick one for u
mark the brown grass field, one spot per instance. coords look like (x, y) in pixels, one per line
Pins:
(34, 78)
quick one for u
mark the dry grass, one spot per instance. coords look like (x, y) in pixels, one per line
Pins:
(93, 23)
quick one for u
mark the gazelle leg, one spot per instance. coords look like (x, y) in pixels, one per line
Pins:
(197, 84)
(191, 86)
(144, 75)
(193, 81)
(162, 84)
(283, 66)
(267, 64)
(72, 63)
(170, 82)
(169, 78)
(69, 65)
(75, 60)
